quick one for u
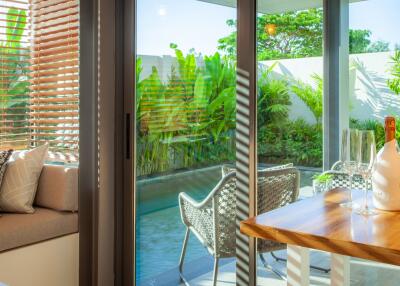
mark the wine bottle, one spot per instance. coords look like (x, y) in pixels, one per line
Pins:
(386, 176)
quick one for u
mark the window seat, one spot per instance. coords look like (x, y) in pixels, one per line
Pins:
(24, 229)
(56, 210)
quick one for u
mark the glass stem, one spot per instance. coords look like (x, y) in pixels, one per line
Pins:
(351, 187)
(366, 194)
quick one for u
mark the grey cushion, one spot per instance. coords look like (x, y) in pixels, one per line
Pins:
(58, 188)
(24, 229)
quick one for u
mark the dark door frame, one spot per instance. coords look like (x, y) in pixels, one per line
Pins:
(88, 146)
(246, 138)
(125, 175)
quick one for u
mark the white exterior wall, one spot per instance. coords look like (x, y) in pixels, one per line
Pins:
(370, 98)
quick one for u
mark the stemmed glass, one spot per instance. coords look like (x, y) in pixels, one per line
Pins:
(349, 156)
(365, 166)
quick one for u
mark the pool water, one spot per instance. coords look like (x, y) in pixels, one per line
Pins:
(160, 231)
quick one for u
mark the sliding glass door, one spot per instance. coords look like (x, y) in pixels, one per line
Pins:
(260, 99)
(374, 87)
(289, 116)
(185, 122)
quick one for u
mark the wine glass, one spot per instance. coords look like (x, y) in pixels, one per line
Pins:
(349, 157)
(365, 166)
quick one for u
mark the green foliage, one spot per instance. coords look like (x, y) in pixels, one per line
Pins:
(394, 81)
(14, 71)
(273, 98)
(323, 178)
(188, 120)
(204, 133)
(378, 46)
(377, 127)
(228, 43)
(297, 35)
(294, 142)
(359, 41)
(311, 96)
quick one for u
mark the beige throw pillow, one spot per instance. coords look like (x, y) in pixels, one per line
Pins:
(20, 182)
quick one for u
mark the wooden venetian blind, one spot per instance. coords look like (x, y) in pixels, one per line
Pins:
(14, 74)
(54, 76)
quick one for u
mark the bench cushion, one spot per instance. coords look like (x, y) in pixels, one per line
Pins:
(58, 188)
(20, 181)
(24, 229)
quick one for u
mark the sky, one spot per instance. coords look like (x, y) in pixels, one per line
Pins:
(195, 24)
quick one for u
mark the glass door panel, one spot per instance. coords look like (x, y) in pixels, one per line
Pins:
(289, 115)
(185, 106)
(374, 81)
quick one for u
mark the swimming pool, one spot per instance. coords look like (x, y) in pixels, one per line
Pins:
(160, 232)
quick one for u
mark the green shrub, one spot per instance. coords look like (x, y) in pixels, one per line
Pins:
(311, 96)
(394, 82)
(377, 127)
(273, 98)
(294, 142)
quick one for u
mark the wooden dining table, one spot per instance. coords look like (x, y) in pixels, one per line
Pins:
(321, 223)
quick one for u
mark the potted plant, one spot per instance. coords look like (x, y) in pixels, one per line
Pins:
(322, 183)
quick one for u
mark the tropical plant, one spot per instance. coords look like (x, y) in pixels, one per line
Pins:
(221, 105)
(14, 71)
(187, 119)
(273, 98)
(394, 81)
(311, 95)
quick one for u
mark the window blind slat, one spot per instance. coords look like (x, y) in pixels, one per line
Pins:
(54, 59)
(54, 86)
(14, 73)
(42, 54)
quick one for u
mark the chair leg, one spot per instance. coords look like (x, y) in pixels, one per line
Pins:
(215, 275)
(182, 258)
(326, 270)
(272, 269)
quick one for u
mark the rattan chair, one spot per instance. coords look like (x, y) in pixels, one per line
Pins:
(213, 221)
(341, 179)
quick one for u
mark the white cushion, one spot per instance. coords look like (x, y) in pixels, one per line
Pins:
(20, 182)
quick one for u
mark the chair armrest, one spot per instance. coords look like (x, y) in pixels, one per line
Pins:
(198, 216)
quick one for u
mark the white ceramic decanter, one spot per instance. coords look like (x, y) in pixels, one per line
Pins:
(386, 176)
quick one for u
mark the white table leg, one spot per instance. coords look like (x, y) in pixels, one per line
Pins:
(298, 266)
(340, 270)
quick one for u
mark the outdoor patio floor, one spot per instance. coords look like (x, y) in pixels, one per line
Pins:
(363, 273)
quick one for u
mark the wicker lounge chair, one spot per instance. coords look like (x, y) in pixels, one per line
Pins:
(213, 221)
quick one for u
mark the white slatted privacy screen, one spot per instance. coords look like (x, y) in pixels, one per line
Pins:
(39, 71)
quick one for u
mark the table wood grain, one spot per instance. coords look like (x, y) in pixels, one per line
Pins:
(320, 223)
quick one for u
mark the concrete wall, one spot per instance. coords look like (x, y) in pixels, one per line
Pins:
(370, 98)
